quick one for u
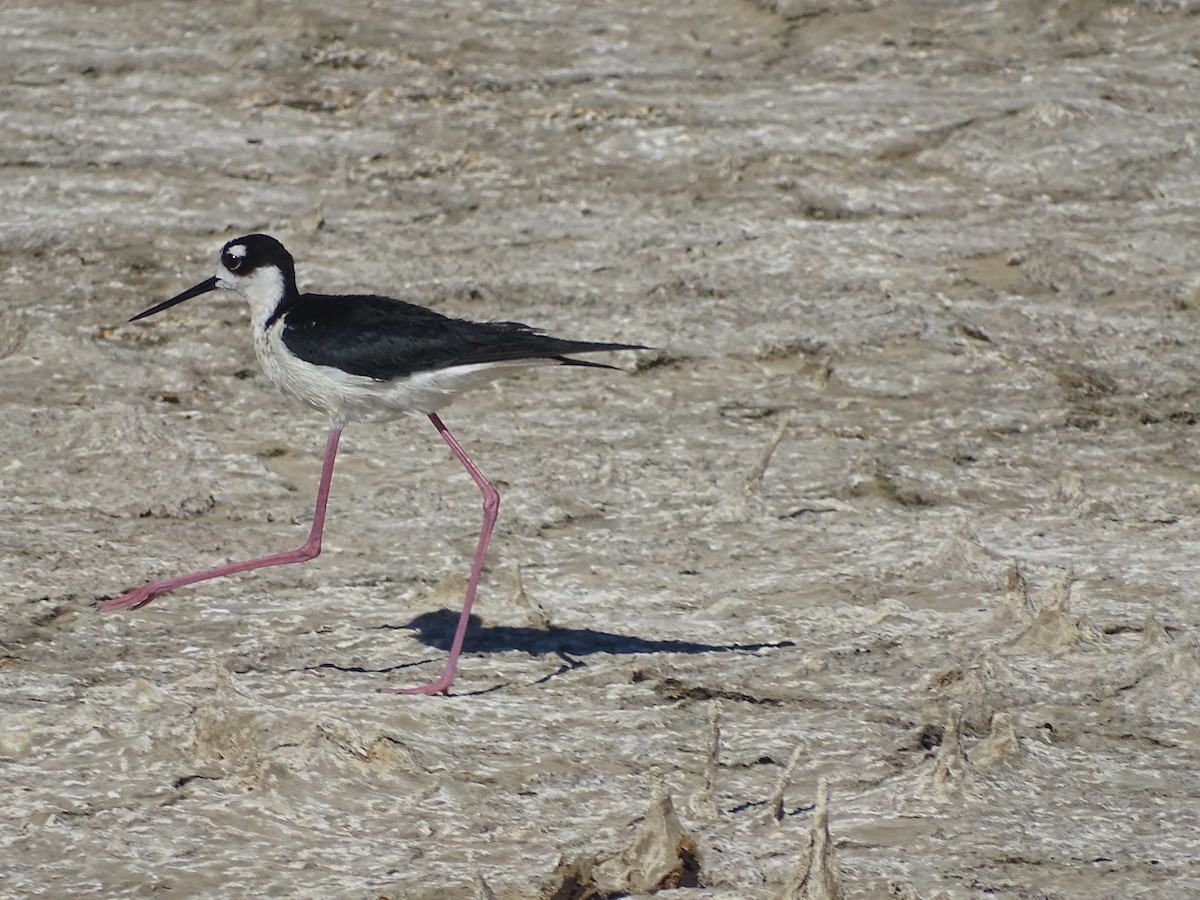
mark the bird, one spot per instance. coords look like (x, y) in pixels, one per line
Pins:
(365, 358)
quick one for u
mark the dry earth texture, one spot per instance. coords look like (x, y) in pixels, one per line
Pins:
(901, 515)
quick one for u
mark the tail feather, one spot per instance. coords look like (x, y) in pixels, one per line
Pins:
(567, 361)
(538, 346)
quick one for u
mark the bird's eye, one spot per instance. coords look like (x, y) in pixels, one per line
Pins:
(233, 263)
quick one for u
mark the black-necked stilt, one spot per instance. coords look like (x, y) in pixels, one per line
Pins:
(365, 359)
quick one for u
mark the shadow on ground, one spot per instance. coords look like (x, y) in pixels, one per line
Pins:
(436, 629)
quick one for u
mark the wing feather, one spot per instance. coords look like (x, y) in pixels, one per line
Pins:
(383, 338)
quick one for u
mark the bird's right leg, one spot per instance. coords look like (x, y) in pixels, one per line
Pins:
(311, 548)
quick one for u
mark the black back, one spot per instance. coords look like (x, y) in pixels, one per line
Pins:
(383, 338)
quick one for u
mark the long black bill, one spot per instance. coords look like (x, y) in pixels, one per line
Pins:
(202, 288)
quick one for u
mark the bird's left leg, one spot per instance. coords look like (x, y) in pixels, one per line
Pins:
(491, 509)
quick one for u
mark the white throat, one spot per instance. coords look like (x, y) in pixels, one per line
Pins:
(262, 288)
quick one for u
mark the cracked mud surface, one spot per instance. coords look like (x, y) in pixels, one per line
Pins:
(943, 257)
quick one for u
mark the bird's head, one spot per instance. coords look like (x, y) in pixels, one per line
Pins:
(256, 266)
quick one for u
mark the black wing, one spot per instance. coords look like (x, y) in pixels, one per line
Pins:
(378, 337)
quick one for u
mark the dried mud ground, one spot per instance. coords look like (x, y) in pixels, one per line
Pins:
(939, 257)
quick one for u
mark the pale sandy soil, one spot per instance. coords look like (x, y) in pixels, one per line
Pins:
(947, 249)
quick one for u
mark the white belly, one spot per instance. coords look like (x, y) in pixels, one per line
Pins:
(355, 398)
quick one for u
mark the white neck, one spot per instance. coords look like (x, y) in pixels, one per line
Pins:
(262, 289)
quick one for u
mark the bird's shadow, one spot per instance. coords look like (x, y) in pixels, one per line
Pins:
(436, 629)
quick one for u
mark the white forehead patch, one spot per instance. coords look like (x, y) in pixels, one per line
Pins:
(237, 251)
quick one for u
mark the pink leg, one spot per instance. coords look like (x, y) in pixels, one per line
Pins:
(491, 508)
(139, 597)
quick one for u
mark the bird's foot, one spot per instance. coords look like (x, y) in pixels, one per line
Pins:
(136, 598)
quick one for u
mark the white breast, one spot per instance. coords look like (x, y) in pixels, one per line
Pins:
(355, 398)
